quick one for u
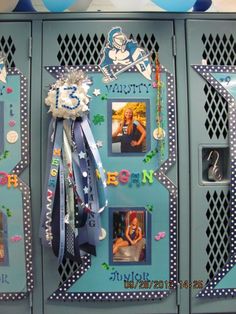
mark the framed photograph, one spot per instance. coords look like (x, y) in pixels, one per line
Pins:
(128, 126)
(130, 230)
(3, 240)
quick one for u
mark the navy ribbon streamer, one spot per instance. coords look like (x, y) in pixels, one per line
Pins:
(62, 214)
(68, 239)
(52, 181)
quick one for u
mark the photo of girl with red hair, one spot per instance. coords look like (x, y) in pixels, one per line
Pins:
(133, 233)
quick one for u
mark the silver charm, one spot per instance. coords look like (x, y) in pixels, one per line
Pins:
(214, 173)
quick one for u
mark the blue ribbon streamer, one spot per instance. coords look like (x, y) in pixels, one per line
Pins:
(52, 181)
(96, 156)
(82, 172)
(51, 134)
(80, 147)
(51, 185)
(62, 214)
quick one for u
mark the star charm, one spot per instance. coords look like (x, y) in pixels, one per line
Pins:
(66, 219)
(96, 92)
(99, 165)
(82, 155)
(86, 190)
(99, 144)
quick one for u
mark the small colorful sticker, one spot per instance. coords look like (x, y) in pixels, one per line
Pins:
(150, 155)
(96, 92)
(149, 208)
(12, 123)
(9, 213)
(107, 267)
(9, 90)
(160, 235)
(104, 97)
(154, 84)
(99, 144)
(98, 119)
(16, 238)
(5, 154)
(12, 137)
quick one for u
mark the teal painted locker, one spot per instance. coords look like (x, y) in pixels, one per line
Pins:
(14, 42)
(203, 214)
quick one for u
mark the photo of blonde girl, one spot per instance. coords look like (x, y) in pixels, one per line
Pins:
(129, 127)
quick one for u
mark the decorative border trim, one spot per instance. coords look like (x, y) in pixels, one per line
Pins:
(62, 292)
(205, 71)
(23, 163)
(163, 178)
(27, 234)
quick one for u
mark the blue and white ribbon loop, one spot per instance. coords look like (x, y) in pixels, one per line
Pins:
(51, 134)
(62, 214)
(96, 156)
(52, 181)
(82, 158)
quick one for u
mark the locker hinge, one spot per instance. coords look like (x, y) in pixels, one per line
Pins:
(30, 47)
(174, 45)
(178, 295)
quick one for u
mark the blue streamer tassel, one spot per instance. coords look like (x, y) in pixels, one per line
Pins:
(70, 182)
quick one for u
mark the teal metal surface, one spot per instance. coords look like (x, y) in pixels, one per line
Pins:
(36, 180)
(14, 42)
(183, 164)
(80, 43)
(212, 41)
(191, 103)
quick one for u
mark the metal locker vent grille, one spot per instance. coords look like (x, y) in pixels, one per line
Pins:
(8, 48)
(66, 269)
(216, 109)
(218, 230)
(86, 49)
(218, 50)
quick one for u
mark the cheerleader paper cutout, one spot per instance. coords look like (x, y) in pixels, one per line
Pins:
(123, 52)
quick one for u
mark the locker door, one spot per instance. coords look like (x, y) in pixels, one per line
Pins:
(213, 41)
(80, 43)
(14, 42)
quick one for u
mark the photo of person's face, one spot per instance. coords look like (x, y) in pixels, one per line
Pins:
(128, 127)
(128, 114)
(134, 223)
